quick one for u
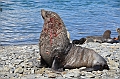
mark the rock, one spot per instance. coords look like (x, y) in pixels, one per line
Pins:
(90, 75)
(52, 75)
(70, 75)
(22, 62)
(18, 61)
(12, 70)
(19, 70)
(4, 58)
(32, 71)
(6, 68)
(119, 66)
(60, 78)
(23, 78)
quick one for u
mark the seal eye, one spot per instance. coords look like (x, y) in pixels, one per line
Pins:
(48, 14)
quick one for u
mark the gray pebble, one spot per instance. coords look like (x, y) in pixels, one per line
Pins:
(22, 62)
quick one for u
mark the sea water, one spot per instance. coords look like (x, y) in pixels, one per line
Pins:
(21, 21)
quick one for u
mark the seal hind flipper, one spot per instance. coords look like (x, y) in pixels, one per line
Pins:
(96, 68)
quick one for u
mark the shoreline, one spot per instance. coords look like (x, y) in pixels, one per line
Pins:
(22, 62)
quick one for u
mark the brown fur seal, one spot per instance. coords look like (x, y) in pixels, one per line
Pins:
(53, 37)
(106, 37)
(57, 52)
(118, 31)
(80, 57)
(103, 38)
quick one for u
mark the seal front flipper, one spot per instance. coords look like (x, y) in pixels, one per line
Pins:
(56, 64)
(68, 48)
(43, 63)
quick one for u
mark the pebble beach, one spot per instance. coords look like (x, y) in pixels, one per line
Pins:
(22, 62)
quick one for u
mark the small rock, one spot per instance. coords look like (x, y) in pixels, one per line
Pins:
(119, 66)
(17, 61)
(90, 75)
(23, 78)
(32, 71)
(69, 75)
(52, 75)
(19, 70)
(6, 68)
(12, 70)
(4, 58)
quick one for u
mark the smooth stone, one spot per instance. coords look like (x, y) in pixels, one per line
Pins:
(42, 77)
(19, 70)
(4, 58)
(60, 78)
(119, 65)
(6, 68)
(32, 71)
(31, 76)
(12, 70)
(17, 61)
(52, 75)
(90, 75)
(23, 78)
(69, 75)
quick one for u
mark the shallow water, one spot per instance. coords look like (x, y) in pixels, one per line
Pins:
(21, 22)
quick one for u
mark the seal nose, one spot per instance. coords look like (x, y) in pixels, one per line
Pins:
(43, 13)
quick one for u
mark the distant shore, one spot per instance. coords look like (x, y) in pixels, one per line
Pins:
(22, 62)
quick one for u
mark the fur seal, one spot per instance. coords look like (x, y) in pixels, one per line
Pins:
(100, 39)
(57, 52)
(53, 38)
(118, 31)
(80, 57)
(106, 37)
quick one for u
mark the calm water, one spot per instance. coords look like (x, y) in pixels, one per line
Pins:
(21, 22)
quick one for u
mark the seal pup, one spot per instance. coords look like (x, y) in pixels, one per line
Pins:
(53, 38)
(80, 57)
